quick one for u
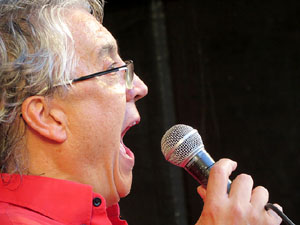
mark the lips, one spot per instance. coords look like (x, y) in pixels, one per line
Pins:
(128, 127)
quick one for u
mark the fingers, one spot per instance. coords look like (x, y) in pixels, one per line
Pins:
(273, 215)
(218, 178)
(260, 197)
(241, 188)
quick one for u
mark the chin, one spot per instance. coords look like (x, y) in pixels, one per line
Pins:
(124, 193)
(125, 187)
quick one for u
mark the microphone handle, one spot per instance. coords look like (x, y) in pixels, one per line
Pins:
(199, 167)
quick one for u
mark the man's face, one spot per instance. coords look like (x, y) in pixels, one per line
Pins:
(99, 112)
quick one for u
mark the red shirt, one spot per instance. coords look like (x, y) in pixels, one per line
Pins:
(35, 200)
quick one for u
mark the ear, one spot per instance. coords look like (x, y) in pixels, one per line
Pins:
(44, 118)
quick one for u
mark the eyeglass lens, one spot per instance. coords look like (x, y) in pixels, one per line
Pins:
(129, 75)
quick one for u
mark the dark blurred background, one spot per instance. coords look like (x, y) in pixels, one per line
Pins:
(227, 68)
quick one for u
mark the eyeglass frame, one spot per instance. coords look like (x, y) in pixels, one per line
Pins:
(129, 74)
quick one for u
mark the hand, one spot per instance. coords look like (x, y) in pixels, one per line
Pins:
(242, 206)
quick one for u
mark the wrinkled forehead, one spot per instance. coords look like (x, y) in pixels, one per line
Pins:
(87, 32)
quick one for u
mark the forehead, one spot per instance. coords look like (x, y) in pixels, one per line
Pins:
(87, 32)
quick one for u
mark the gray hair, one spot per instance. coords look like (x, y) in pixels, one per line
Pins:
(36, 53)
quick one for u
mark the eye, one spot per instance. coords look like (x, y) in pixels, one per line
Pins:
(112, 66)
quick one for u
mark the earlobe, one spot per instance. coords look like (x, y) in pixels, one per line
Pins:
(47, 121)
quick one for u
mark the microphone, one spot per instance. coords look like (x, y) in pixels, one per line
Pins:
(182, 146)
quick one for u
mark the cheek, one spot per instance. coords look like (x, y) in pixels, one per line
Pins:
(106, 117)
(97, 115)
(98, 134)
(113, 103)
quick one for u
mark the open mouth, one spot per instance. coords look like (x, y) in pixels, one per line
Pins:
(124, 150)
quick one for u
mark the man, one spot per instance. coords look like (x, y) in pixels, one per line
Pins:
(67, 100)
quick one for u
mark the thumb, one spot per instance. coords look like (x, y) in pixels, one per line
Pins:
(202, 192)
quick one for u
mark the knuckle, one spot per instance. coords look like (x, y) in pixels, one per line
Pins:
(237, 210)
(262, 190)
(218, 170)
(273, 217)
(244, 176)
(224, 162)
(273, 221)
(278, 206)
(213, 205)
(211, 210)
(254, 216)
(257, 217)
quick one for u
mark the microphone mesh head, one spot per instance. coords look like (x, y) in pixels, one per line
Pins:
(176, 152)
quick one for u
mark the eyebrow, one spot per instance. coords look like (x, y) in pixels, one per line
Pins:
(109, 48)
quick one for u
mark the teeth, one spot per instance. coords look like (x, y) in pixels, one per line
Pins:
(134, 123)
(122, 149)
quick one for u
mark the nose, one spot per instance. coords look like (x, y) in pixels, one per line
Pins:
(138, 91)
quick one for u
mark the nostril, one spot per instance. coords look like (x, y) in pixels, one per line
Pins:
(137, 97)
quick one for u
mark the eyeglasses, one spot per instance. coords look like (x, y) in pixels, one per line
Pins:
(129, 74)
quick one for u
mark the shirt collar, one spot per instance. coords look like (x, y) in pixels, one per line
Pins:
(61, 200)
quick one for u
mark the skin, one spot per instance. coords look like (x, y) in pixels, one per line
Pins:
(78, 137)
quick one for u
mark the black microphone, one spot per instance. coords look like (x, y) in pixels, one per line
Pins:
(182, 146)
